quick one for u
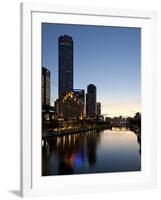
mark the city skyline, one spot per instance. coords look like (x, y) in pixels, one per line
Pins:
(115, 70)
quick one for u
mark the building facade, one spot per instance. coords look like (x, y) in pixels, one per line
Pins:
(98, 109)
(69, 106)
(91, 101)
(65, 62)
(45, 87)
(80, 93)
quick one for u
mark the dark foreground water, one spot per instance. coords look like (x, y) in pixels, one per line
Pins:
(116, 150)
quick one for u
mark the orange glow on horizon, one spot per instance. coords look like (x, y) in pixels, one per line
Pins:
(126, 110)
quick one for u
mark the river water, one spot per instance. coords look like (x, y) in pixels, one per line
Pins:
(116, 150)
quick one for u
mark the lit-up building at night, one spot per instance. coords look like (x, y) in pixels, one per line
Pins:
(80, 93)
(45, 87)
(65, 62)
(69, 106)
(47, 109)
(91, 101)
(70, 102)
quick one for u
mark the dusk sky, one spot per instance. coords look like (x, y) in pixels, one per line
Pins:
(108, 57)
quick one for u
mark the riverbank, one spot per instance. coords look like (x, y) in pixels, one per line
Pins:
(135, 129)
(61, 132)
(48, 134)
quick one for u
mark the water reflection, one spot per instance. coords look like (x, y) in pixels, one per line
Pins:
(91, 152)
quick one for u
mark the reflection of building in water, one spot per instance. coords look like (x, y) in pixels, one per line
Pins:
(70, 106)
(72, 150)
(69, 149)
(92, 141)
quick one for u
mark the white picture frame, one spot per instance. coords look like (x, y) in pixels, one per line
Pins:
(32, 183)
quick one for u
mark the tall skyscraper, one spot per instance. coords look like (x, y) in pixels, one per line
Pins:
(91, 101)
(65, 64)
(45, 87)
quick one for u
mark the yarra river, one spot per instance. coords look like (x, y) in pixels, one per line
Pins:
(116, 150)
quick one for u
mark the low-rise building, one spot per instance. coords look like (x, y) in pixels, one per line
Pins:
(69, 106)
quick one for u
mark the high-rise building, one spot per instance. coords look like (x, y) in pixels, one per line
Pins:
(45, 87)
(98, 108)
(91, 101)
(65, 64)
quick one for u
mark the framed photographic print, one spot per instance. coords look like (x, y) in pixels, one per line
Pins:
(87, 99)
